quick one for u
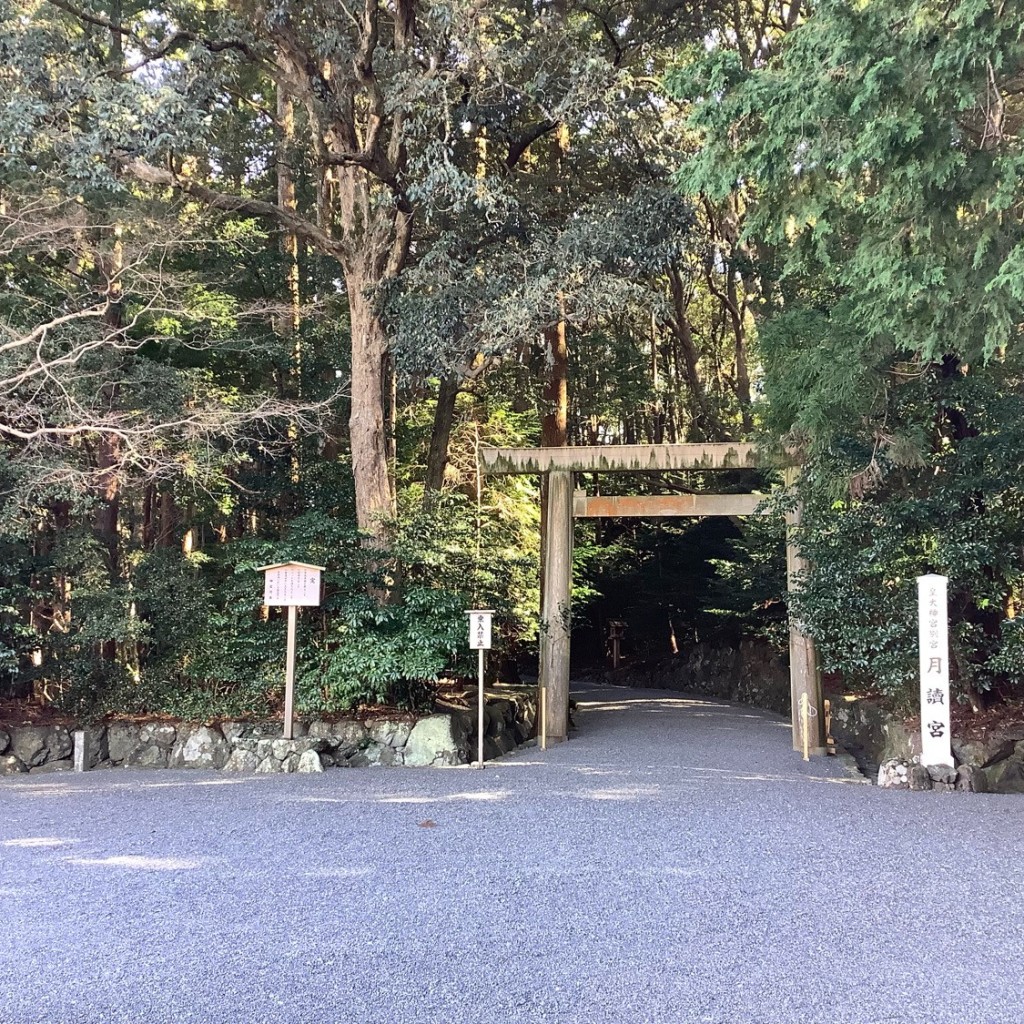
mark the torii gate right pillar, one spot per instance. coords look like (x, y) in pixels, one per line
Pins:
(803, 658)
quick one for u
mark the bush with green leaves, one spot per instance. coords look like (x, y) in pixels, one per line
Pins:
(392, 621)
(954, 507)
(17, 637)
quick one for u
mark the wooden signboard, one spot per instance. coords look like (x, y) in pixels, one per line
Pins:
(480, 629)
(291, 585)
(287, 584)
(480, 641)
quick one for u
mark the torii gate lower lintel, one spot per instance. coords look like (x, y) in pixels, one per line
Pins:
(559, 464)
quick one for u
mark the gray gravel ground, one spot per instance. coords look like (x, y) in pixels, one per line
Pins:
(676, 862)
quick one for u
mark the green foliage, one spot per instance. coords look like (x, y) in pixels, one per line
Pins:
(875, 152)
(676, 583)
(747, 594)
(878, 158)
(844, 252)
(202, 649)
(956, 509)
(488, 549)
(17, 637)
(390, 654)
(487, 286)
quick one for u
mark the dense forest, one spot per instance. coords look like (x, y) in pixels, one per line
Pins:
(274, 272)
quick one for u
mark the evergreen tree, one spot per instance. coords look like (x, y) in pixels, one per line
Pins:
(876, 153)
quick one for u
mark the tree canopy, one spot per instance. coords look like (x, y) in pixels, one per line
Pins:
(273, 274)
(876, 155)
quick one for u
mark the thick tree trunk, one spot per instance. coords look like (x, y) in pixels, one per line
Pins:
(367, 430)
(391, 423)
(555, 421)
(289, 320)
(287, 200)
(149, 506)
(168, 520)
(736, 313)
(705, 420)
(725, 223)
(107, 518)
(554, 429)
(108, 488)
(554, 424)
(440, 435)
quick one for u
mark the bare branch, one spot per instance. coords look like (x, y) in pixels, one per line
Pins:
(178, 38)
(81, 402)
(316, 236)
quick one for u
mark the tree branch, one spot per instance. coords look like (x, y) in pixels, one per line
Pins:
(316, 236)
(150, 53)
(517, 147)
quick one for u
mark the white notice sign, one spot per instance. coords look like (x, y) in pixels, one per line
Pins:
(480, 629)
(933, 625)
(294, 584)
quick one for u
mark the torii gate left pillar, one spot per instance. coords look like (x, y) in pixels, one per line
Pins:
(556, 603)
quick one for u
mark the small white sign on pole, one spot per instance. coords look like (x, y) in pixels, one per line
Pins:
(933, 626)
(480, 641)
(480, 629)
(291, 585)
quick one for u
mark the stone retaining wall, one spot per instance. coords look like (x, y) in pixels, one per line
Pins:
(445, 738)
(898, 773)
(889, 746)
(868, 731)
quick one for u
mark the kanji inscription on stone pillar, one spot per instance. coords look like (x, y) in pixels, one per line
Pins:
(933, 626)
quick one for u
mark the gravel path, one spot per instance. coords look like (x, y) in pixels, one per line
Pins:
(674, 863)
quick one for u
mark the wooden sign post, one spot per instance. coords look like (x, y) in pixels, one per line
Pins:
(616, 633)
(292, 585)
(480, 641)
(933, 628)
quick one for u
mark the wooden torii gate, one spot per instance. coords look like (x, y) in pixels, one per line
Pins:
(563, 504)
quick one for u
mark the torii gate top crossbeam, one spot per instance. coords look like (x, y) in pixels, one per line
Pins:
(619, 458)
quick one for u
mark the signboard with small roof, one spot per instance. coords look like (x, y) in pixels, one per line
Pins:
(287, 584)
(291, 585)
